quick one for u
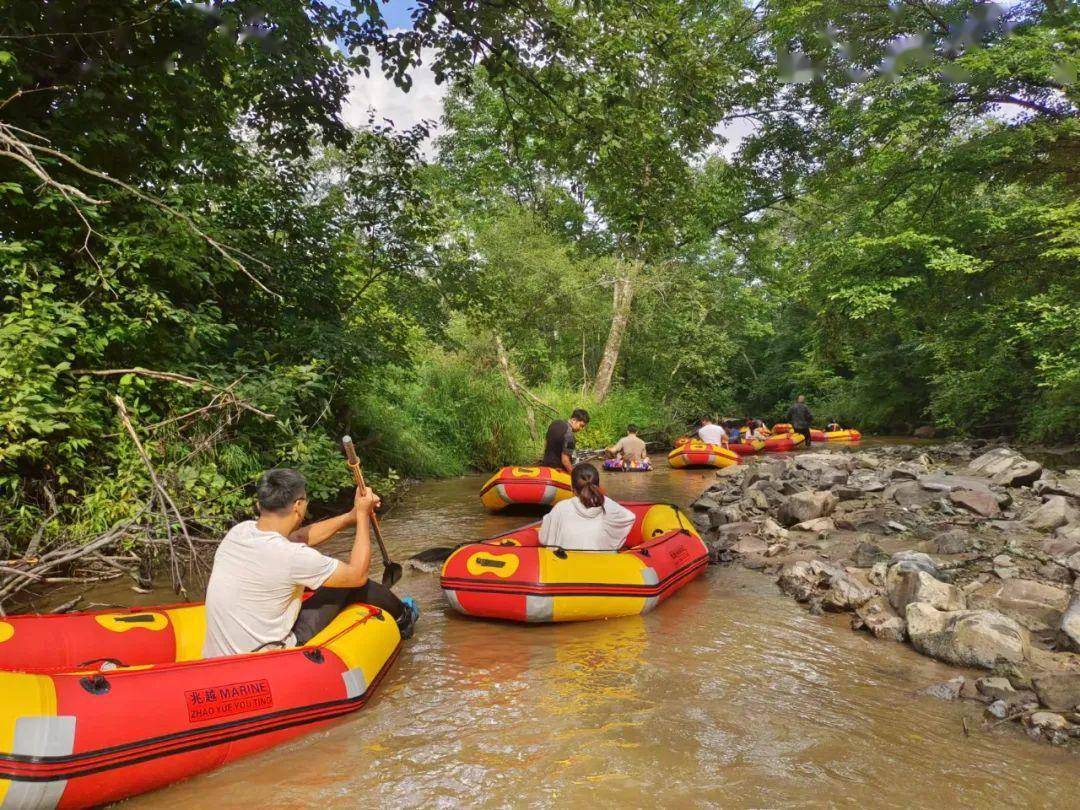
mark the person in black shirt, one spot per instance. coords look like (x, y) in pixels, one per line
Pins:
(800, 417)
(559, 442)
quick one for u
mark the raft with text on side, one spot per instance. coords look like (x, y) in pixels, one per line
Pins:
(701, 454)
(747, 447)
(528, 486)
(784, 442)
(108, 704)
(513, 577)
(618, 465)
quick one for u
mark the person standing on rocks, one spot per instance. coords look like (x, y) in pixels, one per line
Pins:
(800, 417)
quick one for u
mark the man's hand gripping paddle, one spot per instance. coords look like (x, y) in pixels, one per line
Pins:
(391, 570)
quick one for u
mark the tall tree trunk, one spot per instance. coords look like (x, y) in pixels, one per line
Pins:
(515, 387)
(620, 316)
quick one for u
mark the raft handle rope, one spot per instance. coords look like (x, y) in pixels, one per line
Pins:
(679, 517)
(314, 655)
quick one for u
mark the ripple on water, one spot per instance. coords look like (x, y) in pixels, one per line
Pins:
(728, 695)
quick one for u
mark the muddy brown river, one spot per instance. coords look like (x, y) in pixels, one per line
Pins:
(728, 695)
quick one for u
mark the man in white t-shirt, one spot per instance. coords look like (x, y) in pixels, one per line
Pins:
(712, 433)
(253, 598)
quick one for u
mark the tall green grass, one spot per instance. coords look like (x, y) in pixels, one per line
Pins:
(449, 415)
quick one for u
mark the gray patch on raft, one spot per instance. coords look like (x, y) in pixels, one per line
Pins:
(539, 608)
(355, 682)
(650, 603)
(649, 576)
(548, 497)
(36, 795)
(40, 737)
(455, 603)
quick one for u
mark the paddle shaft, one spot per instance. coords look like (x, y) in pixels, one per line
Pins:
(358, 476)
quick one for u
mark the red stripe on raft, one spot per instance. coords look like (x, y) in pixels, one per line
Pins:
(36, 769)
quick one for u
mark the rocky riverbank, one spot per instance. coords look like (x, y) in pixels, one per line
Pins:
(970, 555)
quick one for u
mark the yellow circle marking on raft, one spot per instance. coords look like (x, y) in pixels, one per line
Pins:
(122, 622)
(525, 472)
(501, 565)
(6, 631)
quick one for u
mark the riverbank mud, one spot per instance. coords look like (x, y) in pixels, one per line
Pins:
(970, 555)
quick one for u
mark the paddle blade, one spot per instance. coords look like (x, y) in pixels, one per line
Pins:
(391, 574)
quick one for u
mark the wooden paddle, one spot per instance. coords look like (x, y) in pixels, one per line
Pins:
(391, 570)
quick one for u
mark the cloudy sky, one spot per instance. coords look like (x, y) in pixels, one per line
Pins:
(424, 100)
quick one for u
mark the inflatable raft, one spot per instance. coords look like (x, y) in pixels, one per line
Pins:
(747, 447)
(784, 442)
(700, 454)
(849, 435)
(617, 465)
(513, 577)
(530, 486)
(109, 704)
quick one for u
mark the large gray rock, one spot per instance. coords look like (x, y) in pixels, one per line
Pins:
(916, 559)
(996, 461)
(847, 592)
(1052, 485)
(1035, 605)
(910, 494)
(947, 482)
(821, 462)
(803, 506)
(975, 638)
(1069, 630)
(1019, 475)
(906, 584)
(808, 579)
(953, 541)
(1055, 512)
(877, 616)
(981, 502)
(865, 482)
(1058, 691)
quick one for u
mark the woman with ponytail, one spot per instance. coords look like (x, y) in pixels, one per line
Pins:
(590, 521)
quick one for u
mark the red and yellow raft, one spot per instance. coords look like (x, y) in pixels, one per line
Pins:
(701, 454)
(849, 435)
(784, 442)
(528, 486)
(513, 577)
(747, 447)
(109, 704)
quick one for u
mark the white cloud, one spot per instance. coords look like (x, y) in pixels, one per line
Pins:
(424, 101)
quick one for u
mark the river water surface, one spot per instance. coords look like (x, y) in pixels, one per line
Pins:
(728, 695)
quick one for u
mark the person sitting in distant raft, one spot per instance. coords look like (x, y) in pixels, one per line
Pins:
(559, 442)
(630, 450)
(711, 433)
(590, 521)
(758, 431)
(253, 598)
(833, 426)
(735, 435)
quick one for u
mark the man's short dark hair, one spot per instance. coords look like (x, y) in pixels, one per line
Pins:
(631, 428)
(581, 415)
(279, 489)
